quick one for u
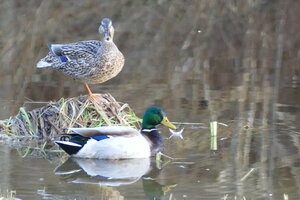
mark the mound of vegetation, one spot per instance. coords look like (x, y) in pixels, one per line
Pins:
(34, 131)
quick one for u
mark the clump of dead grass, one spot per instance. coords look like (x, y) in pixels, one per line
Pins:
(37, 129)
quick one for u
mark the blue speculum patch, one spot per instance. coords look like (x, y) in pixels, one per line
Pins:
(63, 58)
(100, 137)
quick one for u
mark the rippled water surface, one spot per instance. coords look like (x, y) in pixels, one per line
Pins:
(253, 161)
(236, 63)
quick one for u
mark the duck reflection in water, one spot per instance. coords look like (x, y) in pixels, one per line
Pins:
(114, 173)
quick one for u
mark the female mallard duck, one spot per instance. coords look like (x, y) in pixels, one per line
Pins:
(90, 61)
(119, 142)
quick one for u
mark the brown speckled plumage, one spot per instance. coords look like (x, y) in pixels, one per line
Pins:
(88, 61)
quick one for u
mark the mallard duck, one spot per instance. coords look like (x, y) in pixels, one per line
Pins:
(118, 142)
(90, 61)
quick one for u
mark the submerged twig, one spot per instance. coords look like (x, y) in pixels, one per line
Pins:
(248, 174)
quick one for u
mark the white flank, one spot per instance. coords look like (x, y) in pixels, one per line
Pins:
(68, 143)
(42, 64)
(116, 148)
(107, 130)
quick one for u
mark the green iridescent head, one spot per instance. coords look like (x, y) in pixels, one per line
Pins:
(155, 116)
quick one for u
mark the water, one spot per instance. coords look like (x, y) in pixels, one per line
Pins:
(240, 69)
(258, 161)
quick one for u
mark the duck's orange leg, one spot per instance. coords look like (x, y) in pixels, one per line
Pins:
(86, 86)
(93, 95)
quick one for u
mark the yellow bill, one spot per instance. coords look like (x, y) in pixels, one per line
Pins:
(167, 123)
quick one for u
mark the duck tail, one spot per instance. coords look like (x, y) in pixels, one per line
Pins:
(69, 147)
(43, 64)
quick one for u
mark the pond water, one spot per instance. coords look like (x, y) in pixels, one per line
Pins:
(236, 63)
(254, 160)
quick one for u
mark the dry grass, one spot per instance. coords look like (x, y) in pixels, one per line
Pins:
(36, 129)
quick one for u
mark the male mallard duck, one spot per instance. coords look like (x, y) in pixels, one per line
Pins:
(119, 142)
(90, 61)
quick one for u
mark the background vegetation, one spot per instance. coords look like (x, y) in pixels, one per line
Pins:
(199, 60)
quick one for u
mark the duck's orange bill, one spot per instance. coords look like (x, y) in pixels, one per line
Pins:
(167, 123)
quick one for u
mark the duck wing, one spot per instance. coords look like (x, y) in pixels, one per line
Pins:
(75, 50)
(107, 131)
